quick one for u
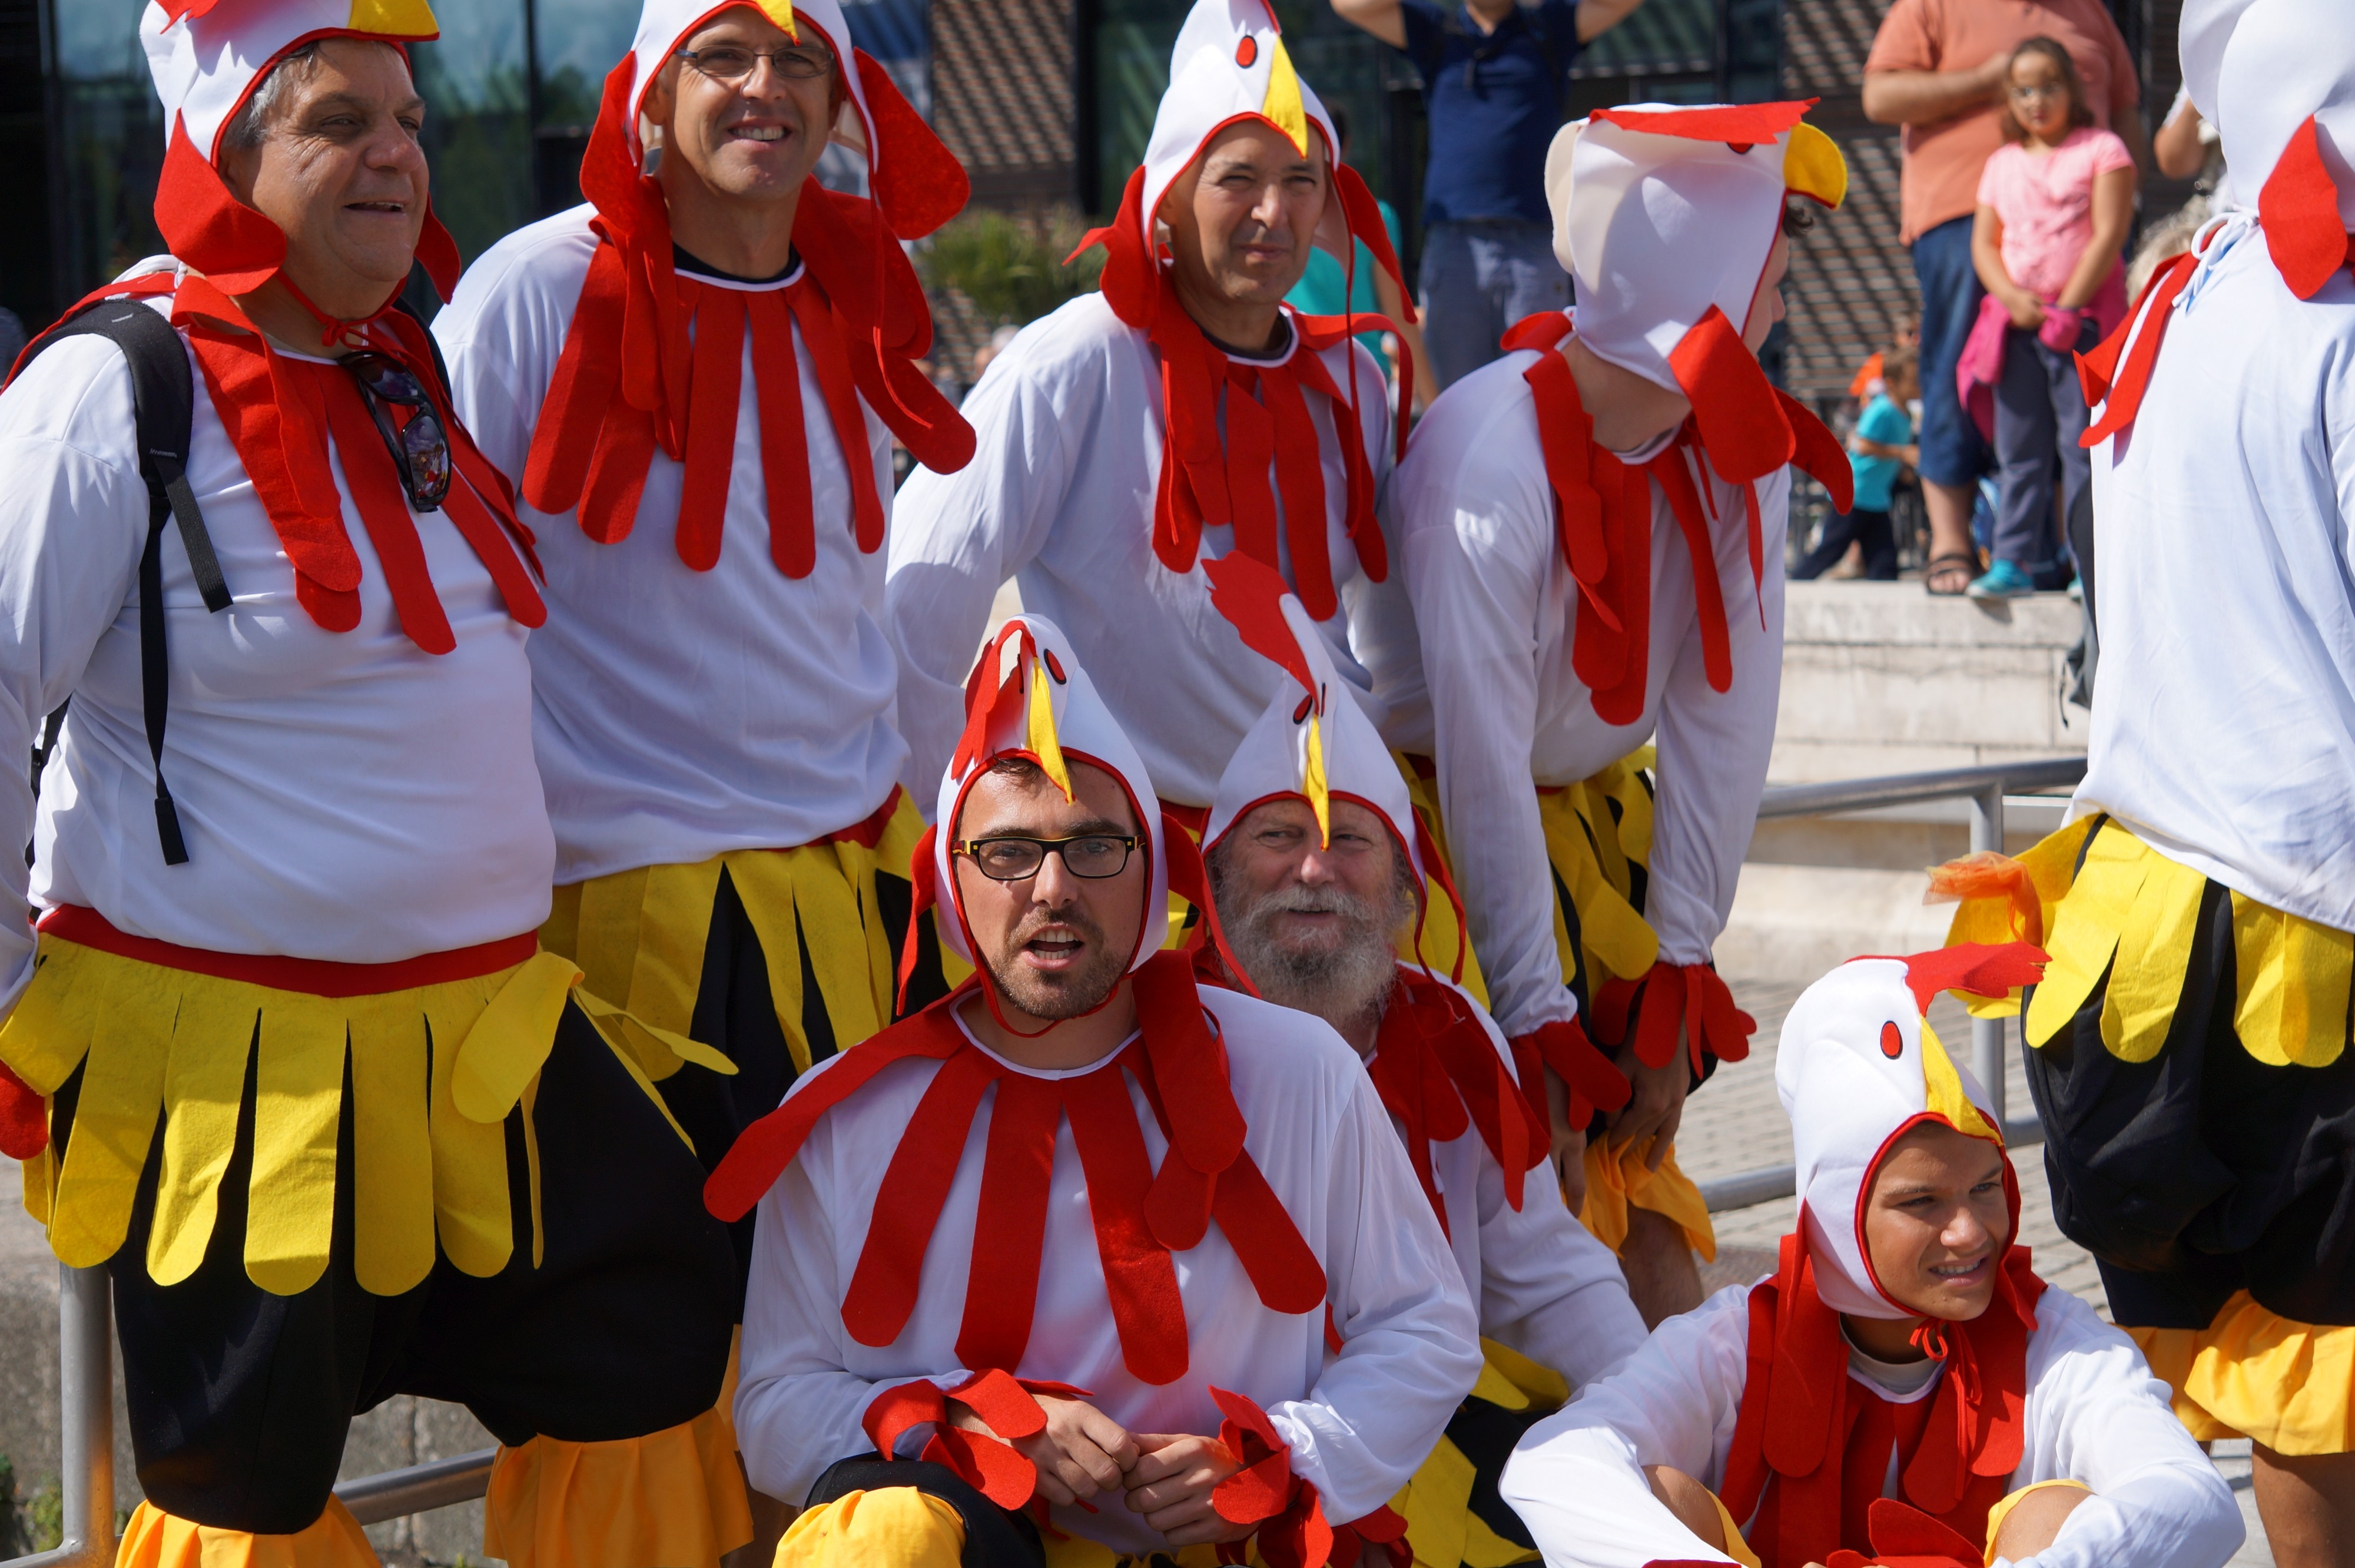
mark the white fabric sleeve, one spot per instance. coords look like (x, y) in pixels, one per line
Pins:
(73, 522)
(797, 1409)
(501, 336)
(1476, 588)
(954, 540)
(1577, 1477)
(2096, 1414)
(1714, 746)
(1410, 1344)
(1548, 1288)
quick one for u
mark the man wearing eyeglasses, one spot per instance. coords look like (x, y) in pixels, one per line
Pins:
(693, 381)
(1064, 1254)
(284, 1055)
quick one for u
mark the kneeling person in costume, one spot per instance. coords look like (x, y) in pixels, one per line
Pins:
(714, 695)
(1316, 865)
(2192, 1050)
(1903, 1388)
(1594, 535)
(1075, 1239)
(333, 1123)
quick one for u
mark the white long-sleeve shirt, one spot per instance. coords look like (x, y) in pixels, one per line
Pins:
(2094, 1414)
(1543, 1286)
(1496, 610)
(681, 713)
(2224, 538)
(1060, 497)
(345, 795)
(1357, 1423)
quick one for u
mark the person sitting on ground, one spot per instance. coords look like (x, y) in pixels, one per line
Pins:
(2054, 206)
(1183, 1289)
(1316, 872)
(1882, 446)
(1903, 1385)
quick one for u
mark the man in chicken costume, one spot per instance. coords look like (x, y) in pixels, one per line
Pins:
(694, 378)
(1902, 1389)
(2192, 1060)
(1593, 529)
(1036, 1244)
(1180, 413)
(1317, 863)
(284, 1055)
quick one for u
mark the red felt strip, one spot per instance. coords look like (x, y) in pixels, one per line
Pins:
(994, 1395)
(471, 514)
(1358, 522)
(1009, 1235)
(23, 1117)
(1615, 664)
(616, 481)
(916, 1183)
(1251, 442)
(1139, 1277)
(1675, 482)
(2134, 377)
(831, 364)
(1745, 123)
(713, 409)
(587, 376)
(2297, 207)
(1284, 1272)
(384, 510)
(1565, 436)
(1735, 409)
(1301, 476)
(1188, 1064)
(784, 438)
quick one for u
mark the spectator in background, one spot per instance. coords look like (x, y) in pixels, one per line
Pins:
(1324, 290)
(1882, 446)
(1937, 69)
(1493, 75)
(2054, 206)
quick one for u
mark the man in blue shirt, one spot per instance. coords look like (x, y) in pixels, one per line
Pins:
(1493, 75)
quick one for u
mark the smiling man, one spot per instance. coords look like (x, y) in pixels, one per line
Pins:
(693, 381)
(1592, 531)
(1316, 875)
(1904, 1386)
(1180, 413)
(1081, 1250)
(283, 1055)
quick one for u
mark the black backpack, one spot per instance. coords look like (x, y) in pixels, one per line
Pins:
(163, 394)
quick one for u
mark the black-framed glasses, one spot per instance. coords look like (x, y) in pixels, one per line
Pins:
(731, 63)
(1009, 859)
(420, 448)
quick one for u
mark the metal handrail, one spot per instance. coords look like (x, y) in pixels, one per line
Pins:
(85, 1329)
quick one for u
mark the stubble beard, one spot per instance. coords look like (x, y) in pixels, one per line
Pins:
(1063, 996)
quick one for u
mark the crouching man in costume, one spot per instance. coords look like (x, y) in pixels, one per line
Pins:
(331, 1120)
(1181, 413)
(1317, 867)
(1080, 1258)
(2191, 1058)
(1593, 535)
(1903, 1388)
(694, 378)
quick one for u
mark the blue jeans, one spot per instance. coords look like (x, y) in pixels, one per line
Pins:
(2038, 414)
(1952, 453)
(1479, 277)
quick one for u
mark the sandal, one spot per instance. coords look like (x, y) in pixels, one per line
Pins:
(1949, 576)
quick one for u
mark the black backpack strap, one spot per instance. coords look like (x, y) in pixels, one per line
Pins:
(163, 394)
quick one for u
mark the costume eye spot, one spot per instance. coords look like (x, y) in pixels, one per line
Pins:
(1055, 669)
(1247, 52)
(1893, 1042)
(1741, 147)
(1300, 714)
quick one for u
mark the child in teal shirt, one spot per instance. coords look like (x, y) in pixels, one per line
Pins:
(1882, 445)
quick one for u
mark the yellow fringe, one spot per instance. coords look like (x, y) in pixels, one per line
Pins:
(1443, 938)
(895, 1525)
(434, 1068)
(154, 1539)
(2051, 864)
(673, 1499)
(2010, 1500)
(1436, 1501)
(2133, 913)
(639, 938)
(2252, 1373)
(1617, 1182)
(1591, 852)
(1737, 1545)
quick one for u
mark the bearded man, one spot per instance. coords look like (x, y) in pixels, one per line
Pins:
(1180, 1291)
(1317, 879)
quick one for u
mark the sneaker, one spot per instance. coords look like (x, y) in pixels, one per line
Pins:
(2002, 580)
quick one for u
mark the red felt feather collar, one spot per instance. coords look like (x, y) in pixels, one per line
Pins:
(1142, 1216)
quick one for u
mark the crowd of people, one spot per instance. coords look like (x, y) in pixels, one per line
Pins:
(536, 903)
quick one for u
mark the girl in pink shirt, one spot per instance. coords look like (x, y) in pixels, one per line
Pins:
(2054, 204)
